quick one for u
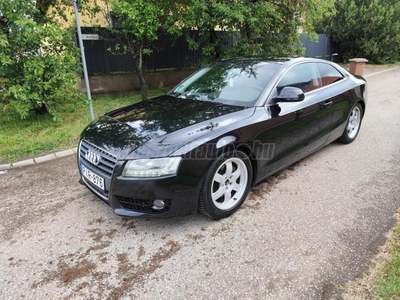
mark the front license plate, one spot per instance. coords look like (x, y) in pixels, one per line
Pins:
(93, 178)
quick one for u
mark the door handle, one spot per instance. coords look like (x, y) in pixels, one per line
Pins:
(328, 104)
(298, 113)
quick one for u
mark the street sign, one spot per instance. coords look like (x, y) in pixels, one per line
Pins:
(90, 37)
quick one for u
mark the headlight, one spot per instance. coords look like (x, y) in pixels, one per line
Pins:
(155, 167)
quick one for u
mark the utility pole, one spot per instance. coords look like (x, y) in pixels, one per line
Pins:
(83, 58)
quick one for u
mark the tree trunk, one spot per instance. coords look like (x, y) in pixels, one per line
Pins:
(41, 110)
(143, 83)
(141, 71)
(213, 39)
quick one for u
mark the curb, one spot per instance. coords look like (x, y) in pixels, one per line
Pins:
(38, 160)
(49, 157)
(380, 72)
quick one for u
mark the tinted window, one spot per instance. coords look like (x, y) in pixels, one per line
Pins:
(329, 74)
(304, 76)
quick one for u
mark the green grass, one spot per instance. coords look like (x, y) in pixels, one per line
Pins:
(40, 135)
(388, 282)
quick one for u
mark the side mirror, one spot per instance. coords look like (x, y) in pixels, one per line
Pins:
(290, 94)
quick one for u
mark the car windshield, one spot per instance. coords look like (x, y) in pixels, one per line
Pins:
(235, 83)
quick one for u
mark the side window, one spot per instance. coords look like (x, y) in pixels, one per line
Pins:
(329, 74)
(304, 76)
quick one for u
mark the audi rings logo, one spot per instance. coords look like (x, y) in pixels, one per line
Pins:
(92, 157)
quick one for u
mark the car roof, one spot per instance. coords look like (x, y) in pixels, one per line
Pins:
(280, 60)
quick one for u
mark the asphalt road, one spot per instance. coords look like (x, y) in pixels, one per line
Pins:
(300, 234)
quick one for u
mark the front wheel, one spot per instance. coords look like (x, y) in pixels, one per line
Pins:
(226, 185)
(353, 125)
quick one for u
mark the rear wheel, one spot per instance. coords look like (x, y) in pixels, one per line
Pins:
(226, 185)
(353, 125)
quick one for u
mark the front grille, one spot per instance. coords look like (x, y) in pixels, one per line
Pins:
(107, 161)
(104, 168)
(139, 205)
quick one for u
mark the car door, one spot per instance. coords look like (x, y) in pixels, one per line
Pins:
(296, 129)
(334, 81)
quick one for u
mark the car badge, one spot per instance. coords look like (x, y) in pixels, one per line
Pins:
(92, 157)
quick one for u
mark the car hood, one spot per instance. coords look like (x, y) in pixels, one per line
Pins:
(158, 127)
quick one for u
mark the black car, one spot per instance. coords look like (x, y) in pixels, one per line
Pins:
(225, 128)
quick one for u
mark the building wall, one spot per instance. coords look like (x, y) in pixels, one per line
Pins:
(87, 19)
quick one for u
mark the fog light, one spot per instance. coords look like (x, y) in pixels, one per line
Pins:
(158, 204)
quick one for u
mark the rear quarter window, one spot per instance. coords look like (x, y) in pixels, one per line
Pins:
(329, 74)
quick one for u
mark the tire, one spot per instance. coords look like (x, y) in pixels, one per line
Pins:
(226, 185)
(353, 125)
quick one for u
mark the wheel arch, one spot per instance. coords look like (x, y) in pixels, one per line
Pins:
(362, 103)
(246, 149)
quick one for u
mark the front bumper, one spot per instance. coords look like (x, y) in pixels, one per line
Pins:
(134, 197)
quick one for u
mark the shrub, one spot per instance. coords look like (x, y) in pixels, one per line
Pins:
(38, 66)
(366, 28)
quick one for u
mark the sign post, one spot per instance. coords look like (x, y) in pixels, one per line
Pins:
(85, 73)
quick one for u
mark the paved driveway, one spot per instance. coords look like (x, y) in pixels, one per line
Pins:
(298, 235)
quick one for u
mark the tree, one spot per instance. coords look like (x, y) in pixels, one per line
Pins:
(366, 28)
(38, 65)
(258, 27)
(140, 22)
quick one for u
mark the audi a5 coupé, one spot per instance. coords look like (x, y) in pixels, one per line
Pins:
(227, 127)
